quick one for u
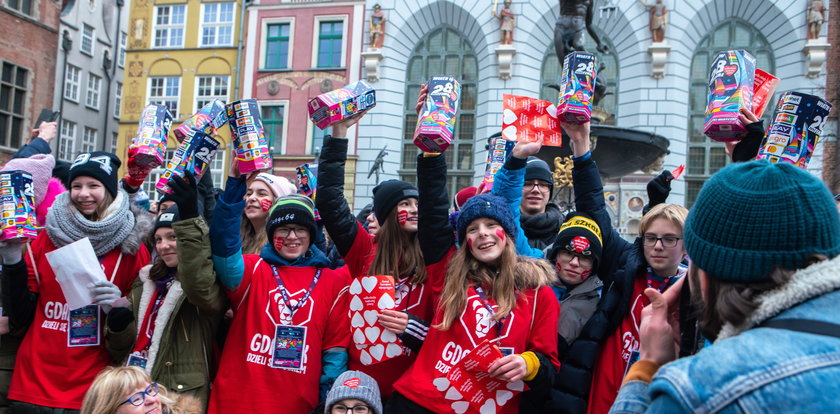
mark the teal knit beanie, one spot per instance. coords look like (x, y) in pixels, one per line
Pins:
(753, 217)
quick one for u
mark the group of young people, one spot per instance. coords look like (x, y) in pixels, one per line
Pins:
(198, 301)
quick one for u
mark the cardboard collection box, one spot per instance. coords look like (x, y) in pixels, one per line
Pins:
(436, 122)
(149, 145)
(795, 129)
(345, 102)
(577, 85)
(246, 128)
(17, 203)
(731, 84)
(194, 155)
(208, 119)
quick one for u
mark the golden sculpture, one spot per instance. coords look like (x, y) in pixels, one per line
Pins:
(377, 27)
(563, 171)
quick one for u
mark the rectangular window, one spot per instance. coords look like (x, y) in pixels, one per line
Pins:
(88, 40)
(71, 83)
(154, 176)
(169, 26)
(88, 140)
(273, 117)
(165, 91)
(118, 101)
(68, 140)
(14, 85)
(217, 24)
(92, 93)
(121, 50)
(277, 46)
(217, 167)
(329, 44)
(115, 139)
(23, 6)
(209, 88)
(317, 138)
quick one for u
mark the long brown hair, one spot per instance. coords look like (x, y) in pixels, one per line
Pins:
(397, 253)
(253, 239)
(514, 273)
(733, 303)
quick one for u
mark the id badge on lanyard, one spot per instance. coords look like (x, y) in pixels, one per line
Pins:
(83, 326)
(289, 346)
(499, 324)
(137, 360)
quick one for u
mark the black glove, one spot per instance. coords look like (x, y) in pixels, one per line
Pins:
(747, 149)
(185, 195)
(659, 188)
(119, 318)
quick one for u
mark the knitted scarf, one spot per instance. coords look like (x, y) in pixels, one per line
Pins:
(542, 229)
(66, 224)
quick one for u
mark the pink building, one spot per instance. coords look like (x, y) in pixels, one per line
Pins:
(296, 50)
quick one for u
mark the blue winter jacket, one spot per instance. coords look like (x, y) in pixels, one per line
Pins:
(756, 369)
(508, 185)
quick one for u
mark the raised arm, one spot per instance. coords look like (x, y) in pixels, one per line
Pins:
(435, 234)
(508, 185)
(225, 240)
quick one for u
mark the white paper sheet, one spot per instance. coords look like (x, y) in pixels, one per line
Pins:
(76, 268)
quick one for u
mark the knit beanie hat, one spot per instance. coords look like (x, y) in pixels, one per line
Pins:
(167, 218)
(388, 194)
(462, 196)
(578, 234)
(537, 169)
(752, 217)
(354, 385)
(99, 165)
(62, 171)
(280, 186)
(292, 209)
(40, 166)
(489, 206)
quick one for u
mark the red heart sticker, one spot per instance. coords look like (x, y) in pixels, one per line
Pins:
(352, 383)
(730, 70)
(402, 217)
(265, 204)
(580, 244)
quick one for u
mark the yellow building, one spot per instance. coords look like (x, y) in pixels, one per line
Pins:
(181, 54)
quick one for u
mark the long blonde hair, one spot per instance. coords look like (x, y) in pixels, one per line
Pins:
(397, 253)
(514, 273)
(112, 386)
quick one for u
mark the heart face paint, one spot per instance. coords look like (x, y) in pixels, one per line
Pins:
(500, 234)
(279, 242)
(402, 217)
(265, 204)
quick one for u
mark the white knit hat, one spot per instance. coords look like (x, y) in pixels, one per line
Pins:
(280, 186)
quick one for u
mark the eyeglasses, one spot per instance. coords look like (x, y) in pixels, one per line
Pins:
(667, 241)
(299, 233)
(358, 409)
(543, 187)
(138, 398)
(583, 260)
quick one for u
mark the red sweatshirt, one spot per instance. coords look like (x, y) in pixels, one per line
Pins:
(531, 326)
(246, 380)
(415, 299)
(615, 353)
(47, 371)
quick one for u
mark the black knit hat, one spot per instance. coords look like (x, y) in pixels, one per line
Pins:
(580, 234)
(537, 169)
(388, 194)
(292, 209)
(99, 165)
(488, 206)
(167, 218)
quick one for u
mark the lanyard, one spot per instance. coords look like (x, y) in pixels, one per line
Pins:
(285, 293)
(500, 323)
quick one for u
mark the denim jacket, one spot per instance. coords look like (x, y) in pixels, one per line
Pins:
(753, 369)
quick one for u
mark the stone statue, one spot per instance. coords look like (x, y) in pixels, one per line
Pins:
(378, 166)
(575, 16)
(377, 27)
(507, 21)
(658, 19)
(816, 17)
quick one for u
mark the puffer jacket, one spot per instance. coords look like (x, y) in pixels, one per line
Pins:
(181, 351)
(755, 368)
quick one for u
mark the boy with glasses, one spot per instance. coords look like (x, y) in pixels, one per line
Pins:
(354, 392)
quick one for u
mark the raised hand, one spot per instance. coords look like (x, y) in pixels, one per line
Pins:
(660, 328)
(185, 195)
(579, 134)
(524, 150)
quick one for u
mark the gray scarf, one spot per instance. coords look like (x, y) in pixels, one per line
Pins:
(66, 224)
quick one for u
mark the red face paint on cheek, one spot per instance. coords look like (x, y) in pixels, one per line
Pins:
(402, 217)
(279, 242)
(469, 242)
(500, 234)
(585, 275)
(265, 204)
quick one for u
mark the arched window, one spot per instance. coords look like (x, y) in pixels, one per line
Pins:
(444, 52)
(706, 156)
(551, 71)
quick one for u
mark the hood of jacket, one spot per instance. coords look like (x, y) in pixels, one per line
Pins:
(808, 283)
